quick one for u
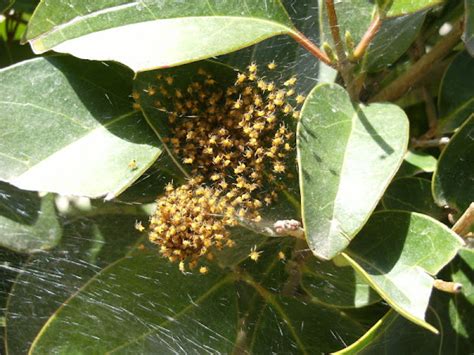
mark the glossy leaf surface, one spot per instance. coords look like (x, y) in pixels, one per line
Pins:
(66, 124)
(28, 223)
(416, 162)
(49, 279)
(451, 314)
(338, 145)
(456, 93)
(412, 194)
(453, 180)
(398, 252)
(188, 313)
(402, 7)
(338, 286)
(149, 35)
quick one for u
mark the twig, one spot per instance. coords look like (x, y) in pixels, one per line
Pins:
(429, 143)
(463, 224)
(311, 47)
(447, 286)
(344, 67)
(368, 37)
(431, 112)
(403, 83)
(430, 108)
(332, 18)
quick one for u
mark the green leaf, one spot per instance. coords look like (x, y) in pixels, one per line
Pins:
(172, 312)
(49, 279)
(300, 327)
(416, 162)
(452, 182)
(397, 252)
(153, 182)
(335, 285)
(68, 127)
(456, 93)
(468, 36)
(452, 314)
(462, 273)
(149, 35)
(412, 194)
(28, 223)
(403, 7)
(129, 321)
(392, 41)
(347, 155)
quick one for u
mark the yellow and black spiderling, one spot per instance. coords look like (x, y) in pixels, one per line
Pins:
(234, 139)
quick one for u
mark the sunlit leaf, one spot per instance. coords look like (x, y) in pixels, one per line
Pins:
(153, 182)
(451, 314)
(68, 127)
(417, 162)
(403, 7)
(347, 156)
(49, 279)
(456, 93)
(412, 194)
(28, 223)
(453, 180)
(397, 253)
(148, 35)
(338, 286)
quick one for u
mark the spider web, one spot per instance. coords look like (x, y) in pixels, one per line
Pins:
(103, 282)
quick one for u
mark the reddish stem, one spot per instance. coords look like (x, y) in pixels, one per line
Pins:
(368, 37)
(311, 47)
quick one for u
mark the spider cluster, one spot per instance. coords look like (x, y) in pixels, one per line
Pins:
(234, 140)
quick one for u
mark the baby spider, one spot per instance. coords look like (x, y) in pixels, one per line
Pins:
(138, 226)
(254, 254)
(132, 165)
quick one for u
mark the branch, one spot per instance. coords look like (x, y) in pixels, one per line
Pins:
(311, 47)
(402, 84)
(334, 26)
(343, 65)
(429, 143)
(368, 37)
(463, 224)
(447, 286)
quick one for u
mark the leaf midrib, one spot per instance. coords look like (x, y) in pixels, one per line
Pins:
(79, 19)
(75, 141)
